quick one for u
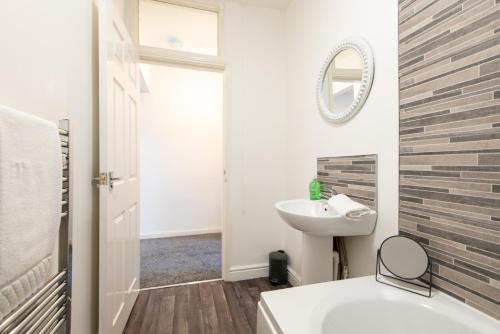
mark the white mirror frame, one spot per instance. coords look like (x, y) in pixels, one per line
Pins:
(365, 52)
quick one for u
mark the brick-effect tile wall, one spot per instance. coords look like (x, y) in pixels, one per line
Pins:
(449, 82)
(354, 176)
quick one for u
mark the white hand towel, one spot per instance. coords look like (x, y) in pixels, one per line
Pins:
(347, 207)
(30, 202)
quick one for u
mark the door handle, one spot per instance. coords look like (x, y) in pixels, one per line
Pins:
(112, 180)
(100, 180)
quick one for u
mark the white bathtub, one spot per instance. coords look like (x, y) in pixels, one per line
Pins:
(361, 305)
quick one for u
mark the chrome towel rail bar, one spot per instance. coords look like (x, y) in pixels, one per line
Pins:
(49, 309)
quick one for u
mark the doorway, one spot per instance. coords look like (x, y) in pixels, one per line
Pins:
(181, 174)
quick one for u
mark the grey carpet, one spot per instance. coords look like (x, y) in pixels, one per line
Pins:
(167, 261)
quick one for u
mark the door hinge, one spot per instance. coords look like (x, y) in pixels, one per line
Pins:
(100, 180)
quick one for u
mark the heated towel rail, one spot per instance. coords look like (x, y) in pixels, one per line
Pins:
(49, 309)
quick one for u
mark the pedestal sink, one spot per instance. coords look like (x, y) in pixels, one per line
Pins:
(319, 223)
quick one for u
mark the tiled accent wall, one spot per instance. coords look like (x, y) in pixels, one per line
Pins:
(449, 69)
(354, 176)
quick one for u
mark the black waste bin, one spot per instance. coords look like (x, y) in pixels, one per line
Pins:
(278, 273)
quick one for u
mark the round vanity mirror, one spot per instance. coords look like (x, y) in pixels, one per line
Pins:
(345, 80)
(404, 257)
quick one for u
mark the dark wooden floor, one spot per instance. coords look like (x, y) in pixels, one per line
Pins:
(209, 307)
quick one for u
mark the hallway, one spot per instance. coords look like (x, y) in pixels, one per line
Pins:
(167, 261)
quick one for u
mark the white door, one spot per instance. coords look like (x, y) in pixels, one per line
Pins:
(118, 167)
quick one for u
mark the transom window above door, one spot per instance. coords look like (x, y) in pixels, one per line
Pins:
(167, 25)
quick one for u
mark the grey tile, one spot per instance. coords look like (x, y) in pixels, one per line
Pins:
(450, 143)
(426, 28)
(492, 17)
(485, 272)
(405, 4)
(454, 8)
(490, 67)
(451, 277)
(411, 199)
(414, 11)
(440, 190)
(411, 62)
(464, 239)
(463, 209)
(481, 175)
(460, 85)
(495, 255)
(468, 200)
(432, 99)
(469, 221)
(410, 131)
(488, 44)
(428, 173)
(468, 168)
(468, 151)
(460, 269)
(448, 292)
(489, 159)
(347, 168)
(460, 116)
(450, 184)
(405, 213)
(354, 176)
(455, 102)
(494, 84)
(488, 135)
(462, 254)
(441, 160)
(414, 237)
(432, 114)
(413, 82)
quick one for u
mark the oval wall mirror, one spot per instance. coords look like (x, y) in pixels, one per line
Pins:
(404, 257)
(345, 80)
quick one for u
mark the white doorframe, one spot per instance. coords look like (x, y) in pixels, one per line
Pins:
(209, 5)
(225, 70)
(202, 62)
(226, 263)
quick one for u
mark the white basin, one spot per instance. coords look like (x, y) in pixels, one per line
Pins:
(318, 219)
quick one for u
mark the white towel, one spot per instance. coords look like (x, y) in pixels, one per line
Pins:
(347, 207)
(30, 203)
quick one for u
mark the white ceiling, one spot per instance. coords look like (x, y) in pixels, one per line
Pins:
(281, 4)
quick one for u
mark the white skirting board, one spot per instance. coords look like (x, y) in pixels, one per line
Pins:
(239, 273)
(168, 234)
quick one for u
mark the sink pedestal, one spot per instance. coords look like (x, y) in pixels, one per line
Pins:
(319, 223)
(317, 259)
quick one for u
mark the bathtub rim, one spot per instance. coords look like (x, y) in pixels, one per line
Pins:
(292, 310)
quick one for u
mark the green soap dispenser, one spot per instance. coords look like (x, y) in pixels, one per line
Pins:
(314, 190)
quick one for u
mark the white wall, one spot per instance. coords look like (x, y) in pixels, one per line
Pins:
(312, 29)
(254, 49)
(47, 69)
(181, 152)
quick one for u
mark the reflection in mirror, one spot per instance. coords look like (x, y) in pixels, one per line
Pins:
(342, 80)
(404, 257)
